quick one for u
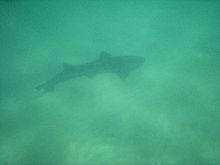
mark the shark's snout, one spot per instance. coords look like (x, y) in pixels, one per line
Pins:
(141, 60)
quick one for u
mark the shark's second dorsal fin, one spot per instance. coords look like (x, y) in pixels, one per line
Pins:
(104, 55)
(67, 66)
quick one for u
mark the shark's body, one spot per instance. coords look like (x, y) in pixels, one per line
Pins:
(121, 65)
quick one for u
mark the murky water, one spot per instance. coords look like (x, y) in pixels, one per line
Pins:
(165, 112)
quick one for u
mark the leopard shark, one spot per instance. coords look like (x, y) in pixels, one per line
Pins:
(106, 63)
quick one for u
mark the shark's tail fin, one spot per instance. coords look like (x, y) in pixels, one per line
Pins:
(45, 87)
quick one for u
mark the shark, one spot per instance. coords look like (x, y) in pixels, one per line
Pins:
(106, 63)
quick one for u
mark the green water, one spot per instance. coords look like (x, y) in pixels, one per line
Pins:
(165, 113)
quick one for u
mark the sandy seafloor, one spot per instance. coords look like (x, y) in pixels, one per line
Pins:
(165, 113)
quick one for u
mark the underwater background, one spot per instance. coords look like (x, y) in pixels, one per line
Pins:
(165, 113)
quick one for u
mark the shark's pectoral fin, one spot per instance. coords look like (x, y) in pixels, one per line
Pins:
(67, 66)
(104, 55)
(89, 75)
(123, 75)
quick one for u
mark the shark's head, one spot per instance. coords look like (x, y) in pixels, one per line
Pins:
(140, 60)
(125, 64)
(133, 62)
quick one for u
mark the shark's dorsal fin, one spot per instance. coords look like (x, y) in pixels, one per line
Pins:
(67, 66)
(104, 55)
